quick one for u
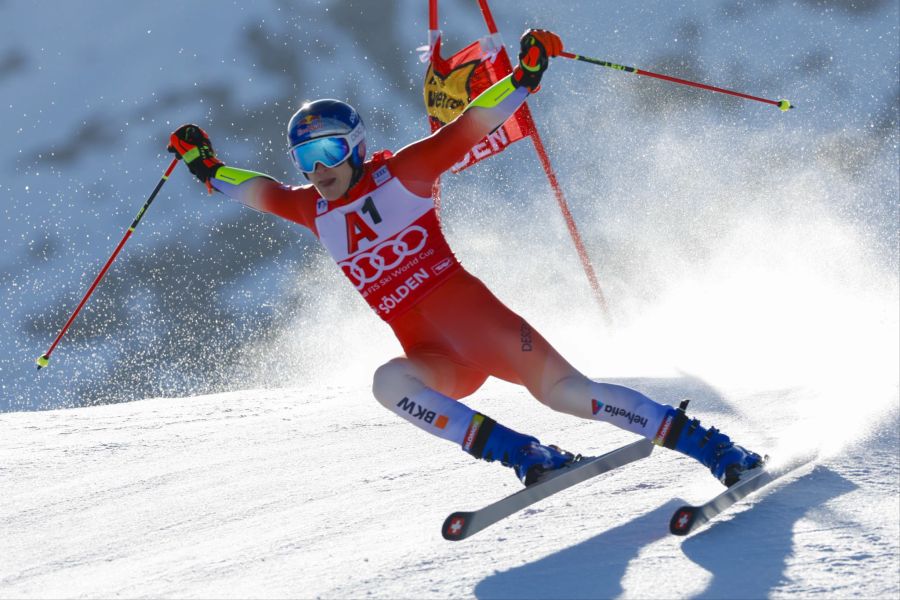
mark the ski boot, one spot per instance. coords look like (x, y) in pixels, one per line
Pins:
(530, 459)
(725, 460)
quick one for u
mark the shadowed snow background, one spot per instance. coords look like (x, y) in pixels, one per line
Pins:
(749, 257)
(717, 226)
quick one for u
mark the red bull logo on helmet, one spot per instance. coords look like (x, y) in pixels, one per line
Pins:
(308, 125)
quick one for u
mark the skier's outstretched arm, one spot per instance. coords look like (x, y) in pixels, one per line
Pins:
(421, 162)
(257, 190)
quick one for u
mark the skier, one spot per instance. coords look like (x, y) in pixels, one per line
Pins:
(377, 220)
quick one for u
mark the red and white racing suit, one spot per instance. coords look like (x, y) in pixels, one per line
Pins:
(385, 236)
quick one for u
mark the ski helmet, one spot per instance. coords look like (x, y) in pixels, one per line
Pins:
(328, 132)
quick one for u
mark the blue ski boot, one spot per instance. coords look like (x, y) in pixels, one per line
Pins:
(725, 460)
(529, 458)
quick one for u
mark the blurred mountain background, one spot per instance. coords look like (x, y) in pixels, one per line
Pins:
(209, 296)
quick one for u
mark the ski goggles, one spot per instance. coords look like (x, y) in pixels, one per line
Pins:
(329, 151)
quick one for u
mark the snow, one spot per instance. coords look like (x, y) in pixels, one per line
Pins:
(749, 258)
(322, 493)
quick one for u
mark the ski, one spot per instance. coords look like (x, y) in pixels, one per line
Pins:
(461, 525)
(690, 518)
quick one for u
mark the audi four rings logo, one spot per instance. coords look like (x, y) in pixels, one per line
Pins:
(368, 266)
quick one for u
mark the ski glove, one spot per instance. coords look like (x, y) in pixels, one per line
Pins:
(537, 45)
(192, 144)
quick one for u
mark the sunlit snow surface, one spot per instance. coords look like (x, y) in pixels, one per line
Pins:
(318, 492)
(749, 259)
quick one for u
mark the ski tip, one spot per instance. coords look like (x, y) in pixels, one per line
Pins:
(456, 526)
(683, 520)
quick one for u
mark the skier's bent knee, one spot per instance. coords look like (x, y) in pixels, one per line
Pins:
(566, 394)
(392, 381)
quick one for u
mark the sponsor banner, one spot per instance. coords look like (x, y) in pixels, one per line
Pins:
(393, 275)
(525, 335)
(381, 175)
(451, 84)
(422, 413)
(663, 432)
(472, 432)
(397, 252)
(610, 412)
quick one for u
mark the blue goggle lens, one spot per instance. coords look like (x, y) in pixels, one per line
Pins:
(330, 151)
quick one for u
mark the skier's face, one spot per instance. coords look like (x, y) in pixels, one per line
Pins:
(333, 182)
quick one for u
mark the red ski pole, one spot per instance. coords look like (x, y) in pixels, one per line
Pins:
(44, 359)
(784, 105)
(544, 159)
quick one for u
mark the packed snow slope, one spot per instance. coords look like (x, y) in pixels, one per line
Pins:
(319, 492)
(749, 259)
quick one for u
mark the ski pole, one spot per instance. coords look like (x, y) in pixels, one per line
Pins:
(44, 359)
(784, 105)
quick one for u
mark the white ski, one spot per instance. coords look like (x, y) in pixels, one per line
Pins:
(689, 518)
(460, 525)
